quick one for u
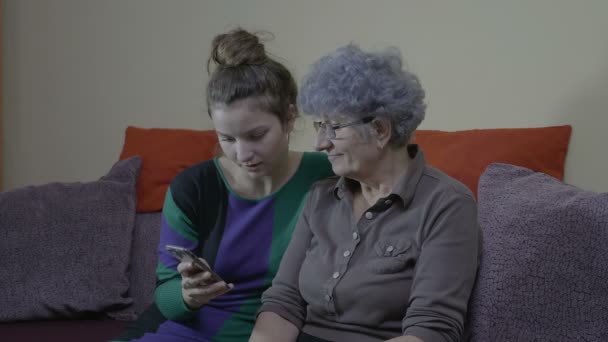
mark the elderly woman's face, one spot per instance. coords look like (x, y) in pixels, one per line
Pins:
(351, 152)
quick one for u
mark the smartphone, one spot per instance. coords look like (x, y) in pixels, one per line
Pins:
(185, 255)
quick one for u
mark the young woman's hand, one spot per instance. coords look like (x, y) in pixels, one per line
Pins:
(197, 286)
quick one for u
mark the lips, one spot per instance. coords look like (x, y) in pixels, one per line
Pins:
(251, 166)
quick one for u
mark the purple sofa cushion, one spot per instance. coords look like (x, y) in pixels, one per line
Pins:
(142, 270)
(64, 247)
(543, 274)
(64, 330)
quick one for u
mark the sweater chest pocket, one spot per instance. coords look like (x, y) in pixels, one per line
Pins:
(391, 256)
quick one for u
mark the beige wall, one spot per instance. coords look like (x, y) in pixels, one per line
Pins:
(1, 93)
(77, 72)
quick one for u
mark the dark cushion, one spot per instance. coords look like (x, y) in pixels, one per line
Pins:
(142, 270)
(65, 331)
(65, 247)
(543, 273)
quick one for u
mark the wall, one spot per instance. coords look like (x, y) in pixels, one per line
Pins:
(77, 72)
(1, 98)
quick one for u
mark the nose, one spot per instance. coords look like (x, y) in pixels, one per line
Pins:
(322, 143)
(244, 152)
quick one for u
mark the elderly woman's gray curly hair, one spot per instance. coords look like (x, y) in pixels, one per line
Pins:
(352, 83)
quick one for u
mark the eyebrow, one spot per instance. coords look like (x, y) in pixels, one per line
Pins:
(336, 118)
(244, 133)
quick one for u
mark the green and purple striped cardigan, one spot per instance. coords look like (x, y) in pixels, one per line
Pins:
(244, 247)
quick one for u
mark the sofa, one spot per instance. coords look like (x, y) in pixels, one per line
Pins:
(111, 277)
(77, 260)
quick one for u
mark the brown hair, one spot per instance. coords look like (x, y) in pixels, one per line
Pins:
(244, 70)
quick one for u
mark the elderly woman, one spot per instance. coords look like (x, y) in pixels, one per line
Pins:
(388, 250)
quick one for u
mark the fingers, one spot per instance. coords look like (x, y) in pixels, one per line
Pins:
(197, 280)
(195, 296)
(210, 291)
(186, 267)
(192, 267)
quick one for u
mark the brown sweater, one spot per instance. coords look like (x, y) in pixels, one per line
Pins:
(406, 267)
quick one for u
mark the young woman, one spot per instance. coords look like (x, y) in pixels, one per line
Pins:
(237, 211)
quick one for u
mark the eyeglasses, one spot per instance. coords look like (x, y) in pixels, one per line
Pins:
(330, 128)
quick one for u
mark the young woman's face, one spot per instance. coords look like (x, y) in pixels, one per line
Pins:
(255, 140)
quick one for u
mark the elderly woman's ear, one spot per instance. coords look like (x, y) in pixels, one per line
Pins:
(382, 130)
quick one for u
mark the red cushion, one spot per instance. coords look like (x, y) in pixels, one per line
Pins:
(465, 155)
(164, 152)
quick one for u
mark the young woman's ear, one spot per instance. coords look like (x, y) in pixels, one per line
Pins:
(382, 130)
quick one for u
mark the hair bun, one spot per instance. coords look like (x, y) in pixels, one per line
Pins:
(236, 48)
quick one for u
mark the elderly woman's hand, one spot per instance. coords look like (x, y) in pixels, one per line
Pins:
(198, 287)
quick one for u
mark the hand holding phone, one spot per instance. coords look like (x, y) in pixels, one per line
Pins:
(199, 283)
(184, 255)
